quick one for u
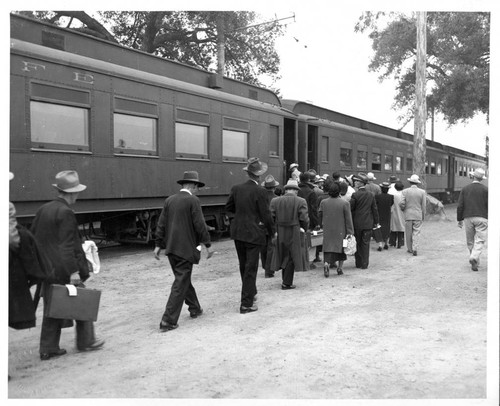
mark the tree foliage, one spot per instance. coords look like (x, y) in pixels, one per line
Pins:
(458, 60)
(189, 37)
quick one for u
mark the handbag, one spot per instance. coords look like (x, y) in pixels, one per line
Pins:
(349, 244)
(70, 302)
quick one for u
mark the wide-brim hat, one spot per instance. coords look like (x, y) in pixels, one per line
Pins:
(191, 177)
(386, 185)
(479, 173)
(360, 177)
(68, 181)
(292, 184)
(270, 182)
(370, 176)
(414, 179)
(256, 167)
(294, 165)
(393, 178)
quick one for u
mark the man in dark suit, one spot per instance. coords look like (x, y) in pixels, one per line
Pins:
(182, 228)
(364, 217)
(56, 229)
(248, 201)
(266, 252)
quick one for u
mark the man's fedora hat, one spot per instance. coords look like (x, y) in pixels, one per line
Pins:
(256, 167)
(393, 178)
(191, 177)
(270, 182)
(361, 177)
(371, 176)
(414, 178)
(68, 181)
(385, 185)
(292, 184)
(479, 173)
(294, 165)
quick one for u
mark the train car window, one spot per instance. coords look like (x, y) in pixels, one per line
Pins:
(191, 141)
(388, 161)
(325, 149)
(427, 167)
(460, 171)
(399, 163)
(376, 159)
(234, 145)
(433, 168)
(446, 166)
(346, 155)
(274, 141)
(59, 127)
(134, 134)
(439, 169)
(409, 163)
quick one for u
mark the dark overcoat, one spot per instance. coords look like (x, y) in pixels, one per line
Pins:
(384, 204)
(364, 210)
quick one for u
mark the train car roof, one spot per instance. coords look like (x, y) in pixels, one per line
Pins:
(65, 39)
(311, 111)
(88, 64)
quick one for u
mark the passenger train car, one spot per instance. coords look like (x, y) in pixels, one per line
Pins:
(131, 123)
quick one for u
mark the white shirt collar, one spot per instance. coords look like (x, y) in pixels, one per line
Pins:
(186, 190)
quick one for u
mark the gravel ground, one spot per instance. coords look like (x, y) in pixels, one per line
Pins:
(405, 328)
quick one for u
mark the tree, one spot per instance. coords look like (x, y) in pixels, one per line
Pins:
(190, 37)
(419, 145)
(458, 60)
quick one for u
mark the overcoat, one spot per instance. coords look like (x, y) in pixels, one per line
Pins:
(250, 204)
(397, 215)
(413, 203)
(335, 216)
(307, 192)
(363, 209)
(384, 204)
(290, 214)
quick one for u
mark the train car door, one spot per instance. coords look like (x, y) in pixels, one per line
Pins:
(312, 147)
(451, 174)
(290, 147)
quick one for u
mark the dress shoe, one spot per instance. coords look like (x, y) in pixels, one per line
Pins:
(287, 287)
(414, 253)
(244, 309)
(326, 270)
(379, 249)
(316, 259)
(339, 271)
(44, 356)
(96, 345)
(269, 275)
(386, 247)
(196, 313)
(164, 326)
(410, 251)
(473, 264)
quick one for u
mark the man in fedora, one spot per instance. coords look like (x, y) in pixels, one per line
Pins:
(290, 215)
(266, 252)
(56, 229)
(413, 203)
(364, 218)
(472, 210)
(182, 229)
(371, 186)
(248, 201)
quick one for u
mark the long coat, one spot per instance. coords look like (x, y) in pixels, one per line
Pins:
(249, 203)
(363, 209)
(335, 218)
(384, 204)
(290, 214)
(397, 215)
(413, 203)
(182, 226)
(307, 192)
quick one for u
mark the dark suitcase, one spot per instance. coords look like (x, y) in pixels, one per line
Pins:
(60, 305)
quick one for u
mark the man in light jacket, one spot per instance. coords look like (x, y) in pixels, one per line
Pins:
(413, 203)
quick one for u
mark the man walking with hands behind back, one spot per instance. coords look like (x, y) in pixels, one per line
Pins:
(248, 201)
(472, 210)
(182, 228)
(413, 203)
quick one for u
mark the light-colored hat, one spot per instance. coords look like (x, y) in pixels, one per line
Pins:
(11, 176)
(270, 182)
(68, 181)
(371, 176)
(292, 184)
(256, 167)
(479, 173)
(414, 178)
(191, 177)
(293, 166)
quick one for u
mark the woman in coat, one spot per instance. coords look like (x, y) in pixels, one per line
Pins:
(336, 221)
(397, 219)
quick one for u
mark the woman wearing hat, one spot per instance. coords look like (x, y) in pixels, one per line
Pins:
(295, 173)
(384, 204)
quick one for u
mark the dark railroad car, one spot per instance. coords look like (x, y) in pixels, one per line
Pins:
(329, 141)
(130, 123)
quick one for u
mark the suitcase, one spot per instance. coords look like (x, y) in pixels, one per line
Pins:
(60, 305)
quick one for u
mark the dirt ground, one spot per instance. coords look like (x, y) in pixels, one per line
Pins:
(406, 328)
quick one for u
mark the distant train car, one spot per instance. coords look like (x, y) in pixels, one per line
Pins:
(329, 141)
(130, 131)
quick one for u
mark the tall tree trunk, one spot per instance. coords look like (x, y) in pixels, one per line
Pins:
(221, 40)
(419, 148)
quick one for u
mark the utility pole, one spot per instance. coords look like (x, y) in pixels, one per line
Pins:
(419, 147)
(221, 41)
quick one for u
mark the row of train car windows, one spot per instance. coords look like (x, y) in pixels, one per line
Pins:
(138, 134)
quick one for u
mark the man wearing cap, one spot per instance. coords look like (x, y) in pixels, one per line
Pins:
(289, 213)
(56, 229)
(364, 218)
(266, 252)
(295, 173)
(248, 201)
(182, 229)
(472, 210)
(371, 186)
(413, 203)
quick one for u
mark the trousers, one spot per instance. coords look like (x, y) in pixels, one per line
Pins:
(182, 290)
(51, 334)
(362, 255)
(476, 231)
(248, 257)
(412, 231)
